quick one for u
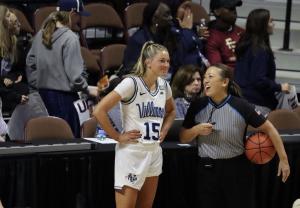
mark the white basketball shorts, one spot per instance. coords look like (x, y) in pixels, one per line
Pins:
(135, 162)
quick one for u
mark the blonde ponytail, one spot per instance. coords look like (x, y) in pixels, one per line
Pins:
(149, 50)
(49, 26)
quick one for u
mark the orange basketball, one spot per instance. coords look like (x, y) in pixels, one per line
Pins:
(259, 148)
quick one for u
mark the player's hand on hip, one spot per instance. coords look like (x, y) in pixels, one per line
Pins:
(162, 136)
(283, 170)
(204, 128)
(131, 136)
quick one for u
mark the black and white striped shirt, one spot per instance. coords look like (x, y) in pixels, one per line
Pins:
(231, 118)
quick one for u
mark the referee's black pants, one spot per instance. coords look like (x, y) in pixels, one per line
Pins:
(226, 183)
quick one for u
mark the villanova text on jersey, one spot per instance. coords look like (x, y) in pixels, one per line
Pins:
(149, 110)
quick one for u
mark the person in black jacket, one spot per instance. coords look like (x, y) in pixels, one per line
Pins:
(12, 88)
(158, 26)
(255, 68)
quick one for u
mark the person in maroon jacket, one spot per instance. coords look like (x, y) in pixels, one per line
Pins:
(224, 34)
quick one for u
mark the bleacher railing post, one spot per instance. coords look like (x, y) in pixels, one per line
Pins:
(286, 37)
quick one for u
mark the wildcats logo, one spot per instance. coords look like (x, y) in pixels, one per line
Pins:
(131, 177)
(149, 110)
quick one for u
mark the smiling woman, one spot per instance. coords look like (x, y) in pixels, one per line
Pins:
(12, 88)
(148, 111)
(219, 122)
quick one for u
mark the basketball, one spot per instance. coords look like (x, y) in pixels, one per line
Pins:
(259, 148)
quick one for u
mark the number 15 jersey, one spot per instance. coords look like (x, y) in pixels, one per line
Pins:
(142, 109)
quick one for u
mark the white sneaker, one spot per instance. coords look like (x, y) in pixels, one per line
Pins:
(296, 204)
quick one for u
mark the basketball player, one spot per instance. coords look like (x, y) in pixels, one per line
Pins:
(219, 122)
(147, 113)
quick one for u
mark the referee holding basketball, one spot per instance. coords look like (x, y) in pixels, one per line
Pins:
(219, 122)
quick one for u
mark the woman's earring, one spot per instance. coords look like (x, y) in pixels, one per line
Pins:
(156, 24)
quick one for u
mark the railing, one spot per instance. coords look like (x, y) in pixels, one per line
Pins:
(286, 37)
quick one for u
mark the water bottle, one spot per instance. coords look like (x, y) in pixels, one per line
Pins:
(202, 28)
(203, 22)
(100, 133)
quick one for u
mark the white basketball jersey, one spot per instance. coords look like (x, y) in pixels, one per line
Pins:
(145, 110)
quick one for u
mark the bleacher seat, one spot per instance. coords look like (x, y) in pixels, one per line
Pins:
(111, 57)
(133, 17)
(47, 128)
(103, 26)
(40, 15)
(88, 128)
(284, 119)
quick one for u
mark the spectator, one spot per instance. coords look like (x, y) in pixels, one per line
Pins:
(12, 90)
(224, 34)
(55, 64)
(182, 43)
(202, 33)
(186, 87)
(255, 69)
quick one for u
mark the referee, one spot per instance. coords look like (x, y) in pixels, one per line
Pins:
(219, 122)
